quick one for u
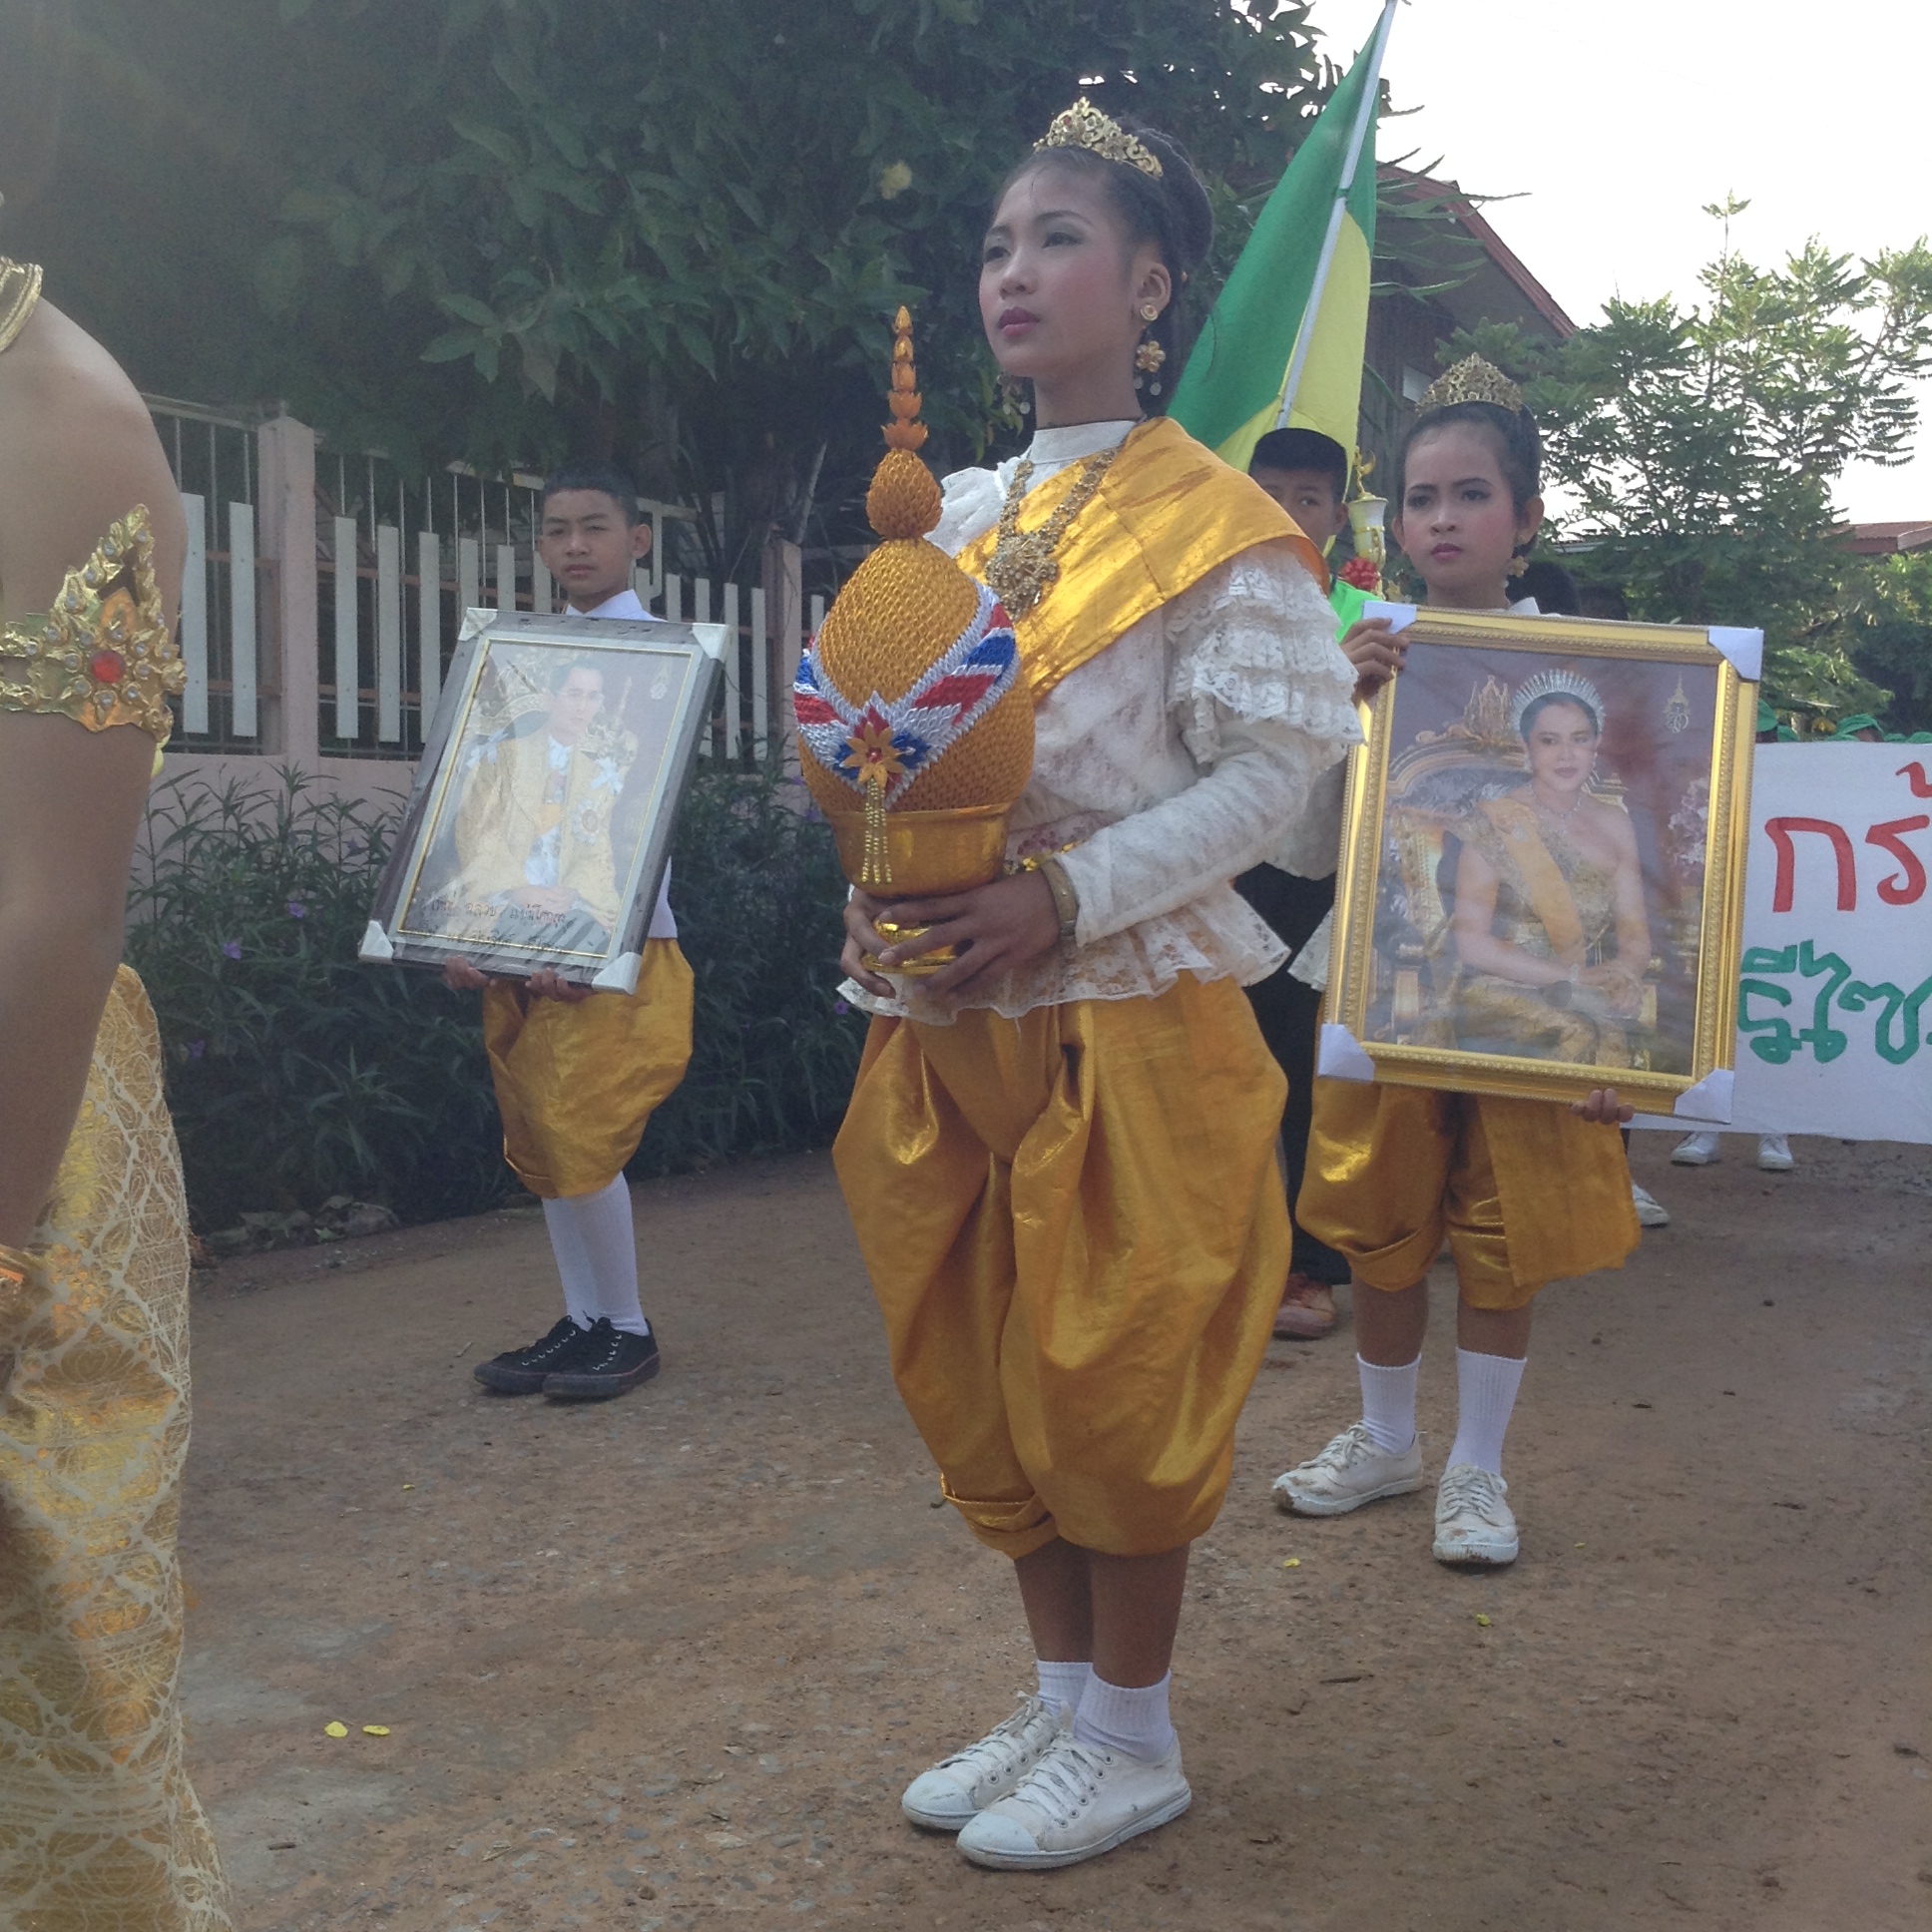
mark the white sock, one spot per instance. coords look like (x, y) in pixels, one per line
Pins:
(606, 1240)
(1388, 1404)
(573, 1264)
(1063, 1684)
(1486, 1388)
(1120, 1717)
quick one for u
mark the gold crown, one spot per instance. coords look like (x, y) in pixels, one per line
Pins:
(1473, 380)
(1084, 126)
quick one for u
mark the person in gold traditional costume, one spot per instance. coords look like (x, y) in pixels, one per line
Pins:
(1060, 1151)
(577, 1074)
(99, 1826)
(1551, 938)
(1526, 1192)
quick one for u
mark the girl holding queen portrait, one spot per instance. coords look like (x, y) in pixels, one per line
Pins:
(1549, 940)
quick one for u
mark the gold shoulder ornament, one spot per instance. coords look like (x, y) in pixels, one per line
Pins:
(105, 655)
(19, 295)
(1472, 380)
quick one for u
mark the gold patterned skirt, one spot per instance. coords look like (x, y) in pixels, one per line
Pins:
(100, 1830)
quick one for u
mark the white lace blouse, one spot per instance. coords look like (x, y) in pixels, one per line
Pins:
(1178, 757)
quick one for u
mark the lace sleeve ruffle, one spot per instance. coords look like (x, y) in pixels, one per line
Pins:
(1256, 639)
(971, 507)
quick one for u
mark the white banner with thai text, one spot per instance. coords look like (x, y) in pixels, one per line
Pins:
(1835, 1017)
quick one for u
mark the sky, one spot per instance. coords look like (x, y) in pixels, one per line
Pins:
(1615, 124)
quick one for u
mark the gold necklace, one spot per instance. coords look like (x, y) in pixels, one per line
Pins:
(1021, 567)
(19, 291)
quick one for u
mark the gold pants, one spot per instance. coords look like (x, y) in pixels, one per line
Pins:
(99, 1829)
(1075, 1229)
(1526, 1193)
(577, 1084)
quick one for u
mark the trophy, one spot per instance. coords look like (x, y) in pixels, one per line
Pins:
(915, 722)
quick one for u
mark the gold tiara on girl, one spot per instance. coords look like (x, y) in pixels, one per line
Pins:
(1473, 380)
(1084, 126)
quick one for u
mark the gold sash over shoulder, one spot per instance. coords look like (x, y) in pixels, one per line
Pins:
(1168, 512)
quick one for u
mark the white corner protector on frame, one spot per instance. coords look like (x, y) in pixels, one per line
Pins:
(1746, 650)
(1710, 1098)
(711, 640)
(1401, 615)
(620, 975)
(375, 944)
(1342, 1056)
(476, 620)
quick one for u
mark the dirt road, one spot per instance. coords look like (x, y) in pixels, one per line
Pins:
(667, 1661)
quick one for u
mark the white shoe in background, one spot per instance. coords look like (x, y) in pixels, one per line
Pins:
(1650, 1212)
(1349, 1472)
(1695, 1151)
(1473, 1523)
(959, 1787)
(1076, 1804)
(1774, 1154)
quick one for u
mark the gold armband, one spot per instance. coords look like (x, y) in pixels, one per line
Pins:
(16, 1271)
(105, 653)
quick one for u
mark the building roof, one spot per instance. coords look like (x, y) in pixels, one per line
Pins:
(1888, 539)
(1500, 289)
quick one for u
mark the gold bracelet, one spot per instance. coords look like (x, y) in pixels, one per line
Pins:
(1066, 901)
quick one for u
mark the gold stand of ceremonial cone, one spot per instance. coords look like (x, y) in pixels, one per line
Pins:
(919, 810)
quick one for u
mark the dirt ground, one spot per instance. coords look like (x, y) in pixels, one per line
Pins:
(667, 1662)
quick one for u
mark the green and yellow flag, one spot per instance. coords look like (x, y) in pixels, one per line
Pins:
(1285, 346)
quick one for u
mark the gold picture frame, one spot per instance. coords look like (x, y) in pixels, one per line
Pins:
(1464, 890)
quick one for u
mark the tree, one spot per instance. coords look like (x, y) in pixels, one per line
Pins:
(1701, 446)
(674, 231)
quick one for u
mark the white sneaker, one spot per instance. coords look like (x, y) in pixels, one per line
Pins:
(1352, 1471)
(1473, 1523)
(1774, 1154)
(1650, 1212)
(1695, 1151)
(959, 1787)
(1077, 1802)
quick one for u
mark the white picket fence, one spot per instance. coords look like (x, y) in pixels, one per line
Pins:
(324, 597)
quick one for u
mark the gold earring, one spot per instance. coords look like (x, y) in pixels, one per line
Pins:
(1150, 355)
(1518, 565)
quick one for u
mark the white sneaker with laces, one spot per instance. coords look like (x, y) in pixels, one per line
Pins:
(1774, 1154)
(1650, 1212)
(1352, 1471)
(1473, 1523)
(959, 1787)
(1695, 1151)
(1077, 1802)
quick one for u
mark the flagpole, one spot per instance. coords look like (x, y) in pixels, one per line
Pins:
(1364, 120)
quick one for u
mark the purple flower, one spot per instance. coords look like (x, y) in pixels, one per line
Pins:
(232, 947)
(839, 1006)
(296, 910)
(195, 1048)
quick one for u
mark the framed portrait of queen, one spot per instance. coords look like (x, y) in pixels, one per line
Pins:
(539, 828)
(1542, 879)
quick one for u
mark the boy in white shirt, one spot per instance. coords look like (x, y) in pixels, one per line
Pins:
(579, 1074)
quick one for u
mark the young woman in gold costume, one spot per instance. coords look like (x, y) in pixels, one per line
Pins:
(1060, 1153)
(98, 1824)
(1525, 1191)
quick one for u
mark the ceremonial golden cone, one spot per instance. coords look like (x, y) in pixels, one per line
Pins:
(915, 725)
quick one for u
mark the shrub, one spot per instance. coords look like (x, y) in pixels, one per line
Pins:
(298, 1073)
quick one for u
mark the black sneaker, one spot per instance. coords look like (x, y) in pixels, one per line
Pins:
(522, 1371)
(610, 1361)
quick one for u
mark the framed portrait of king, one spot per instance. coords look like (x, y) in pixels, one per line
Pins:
(540, 824)
(1541, 880)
